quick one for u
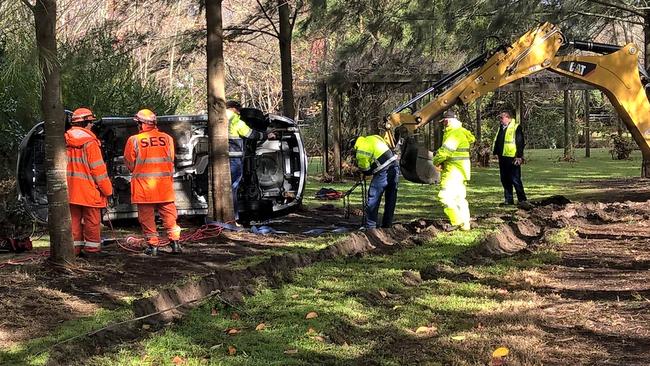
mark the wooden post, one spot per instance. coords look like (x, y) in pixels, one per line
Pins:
(619, 126)
(567, 124)
(519, 104)
(587, 129)
(478, 120)
(326, 143)
(336, 135)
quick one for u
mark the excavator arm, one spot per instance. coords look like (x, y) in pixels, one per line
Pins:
(616, 73)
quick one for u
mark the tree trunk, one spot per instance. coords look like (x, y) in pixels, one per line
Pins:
(646, 36)
(326, 144)
(220, 205)
(336, 136)
(645, 164)
(478, 120)
(587, 127)
(568, 153)
(56, 160)
(288, 106)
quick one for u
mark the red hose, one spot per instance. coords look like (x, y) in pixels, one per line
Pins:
(136, 245)
(18, 261)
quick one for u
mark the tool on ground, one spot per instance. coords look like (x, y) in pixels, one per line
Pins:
(346, 198)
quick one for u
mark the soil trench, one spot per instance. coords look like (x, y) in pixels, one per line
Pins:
(594, 303)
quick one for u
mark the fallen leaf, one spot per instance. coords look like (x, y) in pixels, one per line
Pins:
(290, 352)
(397, 307)
(458, 338)
(426, 330)
(260, 326)
(234, 316)
(311, 330)
(216, 346)
(232, 331)
(383, 293)
(214, 312)
(146, 326)
(500, 352)
(502, 291)
(178, 361)
(319, 338)
(295, 296)
(311, 315)
(232, 350)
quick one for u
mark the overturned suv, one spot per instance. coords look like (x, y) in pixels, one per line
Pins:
(273, 182)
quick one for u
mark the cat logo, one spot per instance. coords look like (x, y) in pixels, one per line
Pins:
(578, 68)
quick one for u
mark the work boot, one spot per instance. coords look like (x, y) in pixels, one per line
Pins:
(151, 250)
(176, 247)
(449, 227)
(507, 203)
(525, 205)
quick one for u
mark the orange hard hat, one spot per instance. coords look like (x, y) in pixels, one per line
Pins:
(145, 116)
(82, 115)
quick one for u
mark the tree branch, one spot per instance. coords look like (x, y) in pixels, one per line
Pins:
(617, 6)
(295, 14)
(28, 4)
(268, 18)
(246, 31)
(611, 17)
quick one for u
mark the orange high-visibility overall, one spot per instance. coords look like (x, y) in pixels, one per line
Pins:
(88, 187)
(149, 156)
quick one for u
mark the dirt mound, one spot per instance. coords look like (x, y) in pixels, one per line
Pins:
(501, 243)
(545, 220)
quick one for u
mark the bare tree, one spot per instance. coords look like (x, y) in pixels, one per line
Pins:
(280, 21)
(220, 203)
(62, 250)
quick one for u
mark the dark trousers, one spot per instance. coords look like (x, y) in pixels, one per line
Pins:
(384, 182)
(236, 172)
(511, 177)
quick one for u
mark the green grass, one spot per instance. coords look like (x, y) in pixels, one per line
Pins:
(36, 351)
(300, 246)
(356, 322)
(354, 319)
(543, 175)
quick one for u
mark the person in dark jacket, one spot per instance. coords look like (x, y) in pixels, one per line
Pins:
(508, 145)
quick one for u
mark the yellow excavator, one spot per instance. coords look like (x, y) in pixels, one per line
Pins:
(614, 70)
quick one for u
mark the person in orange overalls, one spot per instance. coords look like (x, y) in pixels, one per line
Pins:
(149, 156)
(88, 182)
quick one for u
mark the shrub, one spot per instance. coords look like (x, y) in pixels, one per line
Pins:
(620, 147)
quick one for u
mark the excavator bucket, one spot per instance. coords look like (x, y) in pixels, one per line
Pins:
(416, 163)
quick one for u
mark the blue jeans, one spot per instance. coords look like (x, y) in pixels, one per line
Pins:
(385, 181)
(236, 173)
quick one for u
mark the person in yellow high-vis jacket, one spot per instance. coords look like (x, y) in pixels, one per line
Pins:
(238, 130)
(374, 157)
(452, 158)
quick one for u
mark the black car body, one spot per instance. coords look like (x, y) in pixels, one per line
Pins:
(275, 171)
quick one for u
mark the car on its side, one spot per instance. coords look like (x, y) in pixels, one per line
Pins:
(275, 171)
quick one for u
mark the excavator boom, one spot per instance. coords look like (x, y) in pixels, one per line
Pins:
(616, 73)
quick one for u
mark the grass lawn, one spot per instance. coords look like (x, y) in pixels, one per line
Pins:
(543, 175)
(366, 312)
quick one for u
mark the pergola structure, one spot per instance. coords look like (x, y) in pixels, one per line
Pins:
(332, 93)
